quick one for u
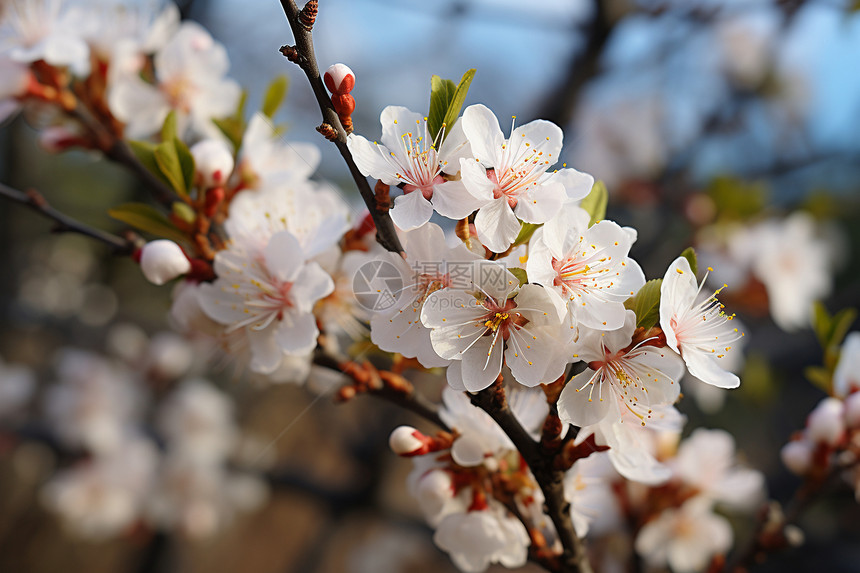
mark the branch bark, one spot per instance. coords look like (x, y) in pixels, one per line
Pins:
(306, 60)
(64, 223)
(574, 559)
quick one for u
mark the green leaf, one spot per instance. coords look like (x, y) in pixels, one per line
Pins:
(145, 153)
(595, 202)
(446, 101)
(147, 219)
(840, 325)
(168, 129)
(520, 274)
(690, 254)
(183, 211)
(274, 97)
(526, 232)
(737, 199)
(646, 304)
(186, 162)
(819, 376)
(168, 162)
(233, 127)
(821, 323)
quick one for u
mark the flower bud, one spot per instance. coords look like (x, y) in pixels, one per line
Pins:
(433, 490)
(825, 423)
(339, 79)
(852, 410)
(407, 441)
(213, 162)
(797, 456)
(162, 261)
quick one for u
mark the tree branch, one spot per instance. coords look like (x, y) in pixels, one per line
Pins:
(551, 481)
(306, 59)
(64, 223)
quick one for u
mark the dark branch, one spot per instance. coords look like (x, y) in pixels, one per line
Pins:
(306, 59)
(551, 481)
(64, 223)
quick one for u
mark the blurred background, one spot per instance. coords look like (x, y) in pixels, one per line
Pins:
(731, 126)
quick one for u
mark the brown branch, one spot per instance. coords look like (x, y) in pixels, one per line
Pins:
(65, 224)
(551, 480)
(303, 55)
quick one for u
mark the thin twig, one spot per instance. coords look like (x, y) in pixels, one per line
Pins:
(385, 232)
(551, 481)
(64, 223)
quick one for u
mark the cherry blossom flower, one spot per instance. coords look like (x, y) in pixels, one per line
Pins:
(589, 493)
(697, 327)
(407, 156)
(270, 296)
(846, 377)
(430, 265)
(14, 80)
(190, 79)
(17, 384)
(476, 539)
(509, 176)
(706, 461)
(496, 317)
(588, 266)
(620, 377)
(686, 538)
(197, 421)
(213, 162)
(266, 159)
(33, 30)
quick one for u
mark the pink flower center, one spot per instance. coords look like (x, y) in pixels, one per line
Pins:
(426, 188)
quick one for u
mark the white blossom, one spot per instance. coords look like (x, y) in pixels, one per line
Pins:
(33, 30)
(197, 422)
(266, 159)
(476, 539)
(846, 377)
(17, 385)
(213, 162)
(162, 261)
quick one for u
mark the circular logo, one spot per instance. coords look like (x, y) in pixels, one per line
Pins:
(377, 285)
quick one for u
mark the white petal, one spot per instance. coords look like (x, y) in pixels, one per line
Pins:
(540, 204)
(497, 225)
(297, 333)
(482, 363)
(411, 210)
(283, 256)
(704, 366)
(482, 129)
(311, 284)
(451, 199)
(371, 159)
(582, 402)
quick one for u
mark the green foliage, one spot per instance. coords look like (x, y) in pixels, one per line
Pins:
(831, 331)
(183, 211)
(646, 304)
(446, 101)
(167, 159)
(759, 384)
(145, 153)
(737, 199)
(595, 202)
(690, 254)
(146, 218)
(275, 94)
(520, 274)
(168, 129)
(526, 232)
(233, 127)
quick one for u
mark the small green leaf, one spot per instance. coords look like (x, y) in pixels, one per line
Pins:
(186, 162)
(168, 129)
(819, 376)
(446, 101)
(145, 153)
(840, 325)
(646, 304)
(147, 219)
(233, 127)
(520, 274)
(168, 162)
(526, 232)
(184, 212)
(821, 323)
(690, 254)
(274, 97)
(595, 202)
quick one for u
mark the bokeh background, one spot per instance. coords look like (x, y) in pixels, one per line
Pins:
(705, 118)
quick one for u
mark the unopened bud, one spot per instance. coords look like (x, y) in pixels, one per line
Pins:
(407, 441)
(825, 424)
(433, 490)
(213, 162)
(339, 79)
(162, 261)
(797, 456)
(852, 410)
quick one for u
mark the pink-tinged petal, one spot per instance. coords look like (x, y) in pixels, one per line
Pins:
(297, 333)
(311, 284)
(474, 178)
(451, 199)
(540, 204)
(577, 185)
(543, 135)
(482, 363)
(283, 256)
(266, 354)
(372, 159)
(705, 367)
(482, 130)
(497, 225)
(411, 210)
(677, 296)
(582, 401)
